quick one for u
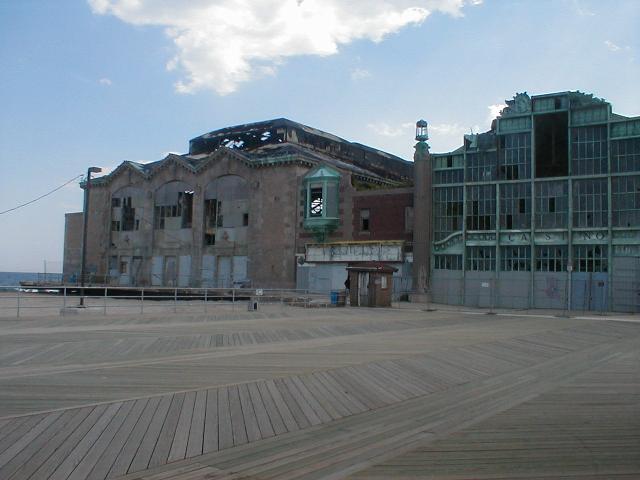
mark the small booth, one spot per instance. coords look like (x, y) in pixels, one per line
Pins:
(370, 284)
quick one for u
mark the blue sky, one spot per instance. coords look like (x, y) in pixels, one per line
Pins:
(101, 81)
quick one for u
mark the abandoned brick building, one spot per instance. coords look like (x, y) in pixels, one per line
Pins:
(271, 204)
(541, 211)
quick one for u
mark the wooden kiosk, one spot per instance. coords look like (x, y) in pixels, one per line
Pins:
(370, 284)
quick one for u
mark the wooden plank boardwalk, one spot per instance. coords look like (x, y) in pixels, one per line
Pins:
(395, 397)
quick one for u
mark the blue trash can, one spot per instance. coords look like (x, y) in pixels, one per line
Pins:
(334, 297)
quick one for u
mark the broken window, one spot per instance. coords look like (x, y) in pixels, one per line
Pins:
(589, 150)
(625, 155)
(551, 144)
(447, 211)
(481, 166)
(551, 258)
(226, 205)
(316, 203)
(173, 206)
(590, 258)
(551, 204)
(364, 220)
(590, 203)
(481, 259)
(124, 267)
(515, 156)
(625, 196)
(481, 207)
(447, 262)
(515, 258)
(127, 206)
(449, 169)
(515, 206)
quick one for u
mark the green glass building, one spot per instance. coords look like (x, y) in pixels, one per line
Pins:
(542, 211)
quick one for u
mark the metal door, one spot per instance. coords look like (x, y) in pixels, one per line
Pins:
(589, 291)
(239, 269)
(156, 271)
(124, 267)
(363, 289)
(208, 270)
(170, 271)
(136, 270)
(224, 272)
(184, 270)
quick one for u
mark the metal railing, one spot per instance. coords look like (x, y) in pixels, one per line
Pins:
(21, 301)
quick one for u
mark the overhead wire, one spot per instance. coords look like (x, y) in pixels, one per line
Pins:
(41, 196)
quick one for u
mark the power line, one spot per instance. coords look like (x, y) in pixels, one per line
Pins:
(41, 196)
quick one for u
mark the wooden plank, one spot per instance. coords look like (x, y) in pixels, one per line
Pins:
(181, 437)
(76, 455)
(50, 464)
(135, 439)
(237, 420)
(275, 418)
(37, 443)
(165, 438)
(225, 425)
(28, 438)
(248, 413)
(148, 443)
(325, 414)
(210, 440)
(325, 397)
(42, 451)
(264, 424)
(349, 401)
(196, 433)
(24, 427)
(287, 398)
(108, 458)
(88, 462)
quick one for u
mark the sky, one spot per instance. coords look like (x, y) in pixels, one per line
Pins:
(94, 83)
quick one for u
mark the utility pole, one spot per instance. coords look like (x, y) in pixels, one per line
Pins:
(85, 222)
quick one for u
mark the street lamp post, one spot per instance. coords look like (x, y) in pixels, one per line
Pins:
(85, 223)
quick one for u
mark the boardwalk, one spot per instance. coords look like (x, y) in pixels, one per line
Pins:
(295, 393)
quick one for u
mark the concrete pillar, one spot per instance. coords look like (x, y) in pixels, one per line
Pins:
(422, 223)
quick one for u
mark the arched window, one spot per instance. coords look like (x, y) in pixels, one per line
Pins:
(173, 206)
(127, 209)
(226, 209)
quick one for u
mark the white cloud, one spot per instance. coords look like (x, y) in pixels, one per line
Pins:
(359, 74)
(105, 81)
(583, 12)
(612, 46)
(220, 44)
(386, 130)
(494, 111)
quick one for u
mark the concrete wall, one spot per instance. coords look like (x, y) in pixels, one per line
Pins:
(72, 253)
(269, 241)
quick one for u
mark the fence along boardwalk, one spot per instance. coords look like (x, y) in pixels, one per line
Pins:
(327, 422)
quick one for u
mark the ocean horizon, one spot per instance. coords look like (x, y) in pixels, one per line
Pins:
(13, 279)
